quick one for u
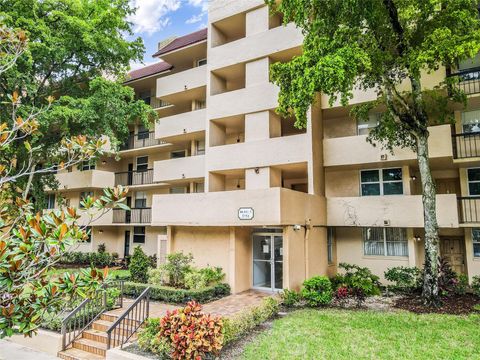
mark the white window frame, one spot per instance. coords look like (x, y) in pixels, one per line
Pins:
(140, 195)
(136, 162)
(472, 181)
(385, 242)
(201, 60)
(475, 242)
(464, 113)
(87, 165)
(144, 234)
(380, 181)
(372, 116)
(49, 199)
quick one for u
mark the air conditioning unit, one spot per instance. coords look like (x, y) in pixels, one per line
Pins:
(386, 222)
(384, 157)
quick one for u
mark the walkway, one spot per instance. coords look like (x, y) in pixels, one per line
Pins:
(227, 306)
(10, 350)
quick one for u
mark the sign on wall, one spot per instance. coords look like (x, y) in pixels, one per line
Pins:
(246, 213)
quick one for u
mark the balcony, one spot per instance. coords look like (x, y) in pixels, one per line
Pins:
(134, 178)
(270, 152)
(191, 167)
(132, 216)
(274, 206)
(466, 145)
(469, 80)
(183, 125)
(244, 101)
(93, 179)
(181, 82)
(355, 150)
(141, 140)
(469, 210)
(394, 210)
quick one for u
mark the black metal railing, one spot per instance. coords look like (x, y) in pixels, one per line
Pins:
(89, 310)
(132, 216)
(469, 80)
(137, 177)
(141, 140)
(130, 321)
(466, 145)
(468, 210)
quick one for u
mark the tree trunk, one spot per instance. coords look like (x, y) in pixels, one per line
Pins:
(432, 250)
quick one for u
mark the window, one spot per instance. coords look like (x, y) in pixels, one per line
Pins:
(200, 147)
(139, 234)
(381, 182)
(178, 190)
(385, 242)
(364, 127)
(200, 104)
(201, 62)
(146, 97)
(142, 163)
(50, 200)
(178, 154)
(473, 181)
(87, 165)
(142, 132)
(476, 242)
(471, 121)
(83, 195)
(140, 199)
(199, 187)
(330, 245)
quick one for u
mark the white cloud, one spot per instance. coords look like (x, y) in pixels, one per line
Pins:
(194, 19)
(151, 15)
(199, 3)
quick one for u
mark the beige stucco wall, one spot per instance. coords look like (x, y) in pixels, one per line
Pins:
(181, 81)
(46, 341)
(187, 123)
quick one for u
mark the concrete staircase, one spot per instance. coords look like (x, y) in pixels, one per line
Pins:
(92, 344)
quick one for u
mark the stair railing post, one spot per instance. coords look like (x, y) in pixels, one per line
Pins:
(148, 303)
(105, 297)
(121, 294)
(64, 335)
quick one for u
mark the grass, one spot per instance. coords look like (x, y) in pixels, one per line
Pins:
(337, 334)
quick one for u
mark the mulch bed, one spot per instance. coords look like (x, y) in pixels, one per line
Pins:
(454, 305)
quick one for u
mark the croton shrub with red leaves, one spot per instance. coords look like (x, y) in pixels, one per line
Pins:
(193, 334)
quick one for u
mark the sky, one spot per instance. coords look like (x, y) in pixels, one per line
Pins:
(156, 20)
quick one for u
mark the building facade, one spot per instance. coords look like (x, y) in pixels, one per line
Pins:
(224, 177)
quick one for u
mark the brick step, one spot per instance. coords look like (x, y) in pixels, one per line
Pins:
(101, 336)
(102, 325)
(90, 346)
(77, 354)
(113, 317)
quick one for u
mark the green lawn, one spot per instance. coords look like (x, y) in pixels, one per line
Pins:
(336, 334)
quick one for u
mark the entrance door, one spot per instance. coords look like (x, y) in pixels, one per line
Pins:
(126, 246)
(130, 174)
(268, 261)
(452, 249)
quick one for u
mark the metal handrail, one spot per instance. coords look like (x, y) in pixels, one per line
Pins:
(124, 327)
(89, 310)
(469, 209)
(469, 80)
(134, 177)
(141, 140)
(466, 145)
(132, 216)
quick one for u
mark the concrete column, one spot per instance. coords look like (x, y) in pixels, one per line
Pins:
(216, 134)
(412, 248)
(263, 178)
(232, 260)
(407, 182)
(257, 72)
(257, 21)
(262, 125)
(316, 173)
(216, 182)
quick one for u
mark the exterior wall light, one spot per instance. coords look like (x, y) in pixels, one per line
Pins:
(417, 238)
(297, 227)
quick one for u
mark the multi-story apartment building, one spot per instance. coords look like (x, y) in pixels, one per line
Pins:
(222, 176)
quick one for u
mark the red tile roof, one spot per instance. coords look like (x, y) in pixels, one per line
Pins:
(148, 71)
(183, 41)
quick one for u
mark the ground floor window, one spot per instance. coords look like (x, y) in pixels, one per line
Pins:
(139, 234)
(50, 200)
(385, 242)
(476, 242)
(330, 245)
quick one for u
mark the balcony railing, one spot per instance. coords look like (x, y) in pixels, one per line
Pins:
(137, 177)
(469, 80)
(466, 145)
(132, 216)
(469, 210)
(141, 140)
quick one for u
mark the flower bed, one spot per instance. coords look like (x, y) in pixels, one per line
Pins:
(177, 296)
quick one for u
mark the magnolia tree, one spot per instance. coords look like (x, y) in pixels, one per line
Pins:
(379, 45)
(31, 243)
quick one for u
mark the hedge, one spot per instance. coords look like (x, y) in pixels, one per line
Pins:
(177, 296)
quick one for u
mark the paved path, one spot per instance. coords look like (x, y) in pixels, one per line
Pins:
(10, 351)
(227, 306)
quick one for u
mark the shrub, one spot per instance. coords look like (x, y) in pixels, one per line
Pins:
(139, 265)
(476, 285)
(101, 248)
(462, 285)
(191, 333)
(177, 296)
(244, 322)
(94, 259)
(405, 279)
(157, 276)
(317, 291)
(176, 267)
(359, 278)
(290, 298)
(200, 278)
(148, 339)
(447, 280)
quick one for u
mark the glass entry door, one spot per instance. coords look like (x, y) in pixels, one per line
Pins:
(268, 261)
